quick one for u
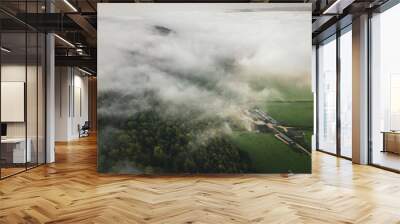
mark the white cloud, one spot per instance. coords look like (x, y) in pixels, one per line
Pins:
(205, 57)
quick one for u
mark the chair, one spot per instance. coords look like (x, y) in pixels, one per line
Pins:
(84, 130)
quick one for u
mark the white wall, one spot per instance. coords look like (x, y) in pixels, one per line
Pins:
(13, 101)
(16, 73)
(360, 89)
(346, 76)
(80, 105)
(50, 94)
(62, 82)
(70, 84)
(11, 73)
(34, 126)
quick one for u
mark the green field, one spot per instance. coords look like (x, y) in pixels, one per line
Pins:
(288, 88)
(269, 155)
(293, 114)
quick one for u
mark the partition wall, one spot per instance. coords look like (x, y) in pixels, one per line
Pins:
(22, 77)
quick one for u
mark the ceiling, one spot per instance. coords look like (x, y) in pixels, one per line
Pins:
(75, 21)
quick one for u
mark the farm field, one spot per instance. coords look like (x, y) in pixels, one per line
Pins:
(291, 113)
(269, 155)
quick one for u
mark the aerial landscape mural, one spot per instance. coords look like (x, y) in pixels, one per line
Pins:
(204, 88)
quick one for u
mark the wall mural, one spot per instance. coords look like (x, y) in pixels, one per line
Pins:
(204, 88)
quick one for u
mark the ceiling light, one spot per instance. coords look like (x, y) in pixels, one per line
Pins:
(79, 51)
(84, 71)
(65, 41)
(337, 7)
(70, 5)
(5, 50)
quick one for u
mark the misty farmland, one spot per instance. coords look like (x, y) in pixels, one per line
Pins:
(188, 96)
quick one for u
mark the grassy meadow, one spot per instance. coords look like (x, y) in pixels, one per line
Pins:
(269, 155)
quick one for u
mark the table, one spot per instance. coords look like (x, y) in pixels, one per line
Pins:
(13, 150)
(391, 141)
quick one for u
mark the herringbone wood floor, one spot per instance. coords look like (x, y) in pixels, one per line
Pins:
(71, 191)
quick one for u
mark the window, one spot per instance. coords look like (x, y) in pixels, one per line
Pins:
(22, 98)
(385, 89)
(346, 93)
(327, 96)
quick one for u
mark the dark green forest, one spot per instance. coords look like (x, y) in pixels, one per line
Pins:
(156, 142)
